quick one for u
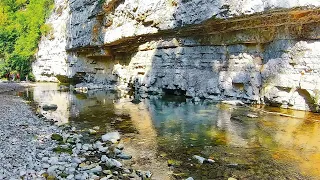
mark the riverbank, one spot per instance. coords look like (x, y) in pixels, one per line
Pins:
(34, 147)
(6, 86)
(22, 135)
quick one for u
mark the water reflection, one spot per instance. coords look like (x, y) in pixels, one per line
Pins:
(158, 130)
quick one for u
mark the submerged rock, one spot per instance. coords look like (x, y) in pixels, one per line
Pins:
(56, 137)
(199, 159)
(148, 174)
(92, 132)
(190, 178)
(97, 128)
(113, 137)
(252, 116)
(233, 102)
(124, 156)
(111, 163)
(210, 161)
(202, 160)
(49, 107)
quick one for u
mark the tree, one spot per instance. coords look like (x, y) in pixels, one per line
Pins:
(20, 23)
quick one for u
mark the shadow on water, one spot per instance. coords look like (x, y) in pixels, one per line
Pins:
(163, 135)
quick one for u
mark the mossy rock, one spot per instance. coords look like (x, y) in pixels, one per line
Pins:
(172, 162)
(45, 175)
(57, 137)
(62, 150)
(51, 178)
(63, 175)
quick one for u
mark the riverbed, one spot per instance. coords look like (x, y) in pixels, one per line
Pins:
(164, 133)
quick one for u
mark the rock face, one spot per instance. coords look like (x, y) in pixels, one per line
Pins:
(259, 51)
(51, 59)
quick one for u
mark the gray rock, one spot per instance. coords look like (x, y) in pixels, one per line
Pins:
(22, 173)
(210, 161)
(92, 132)
(70, 170)
(252, 116)
(113, 137)
(51, 170)
(49, 107)
(96, 169)
(234, 102)
(97, 128)
(148, 174)
(76, 160)
(71, 176)
(199, 159)
(53, 160)
(113, 163)
(124, 156)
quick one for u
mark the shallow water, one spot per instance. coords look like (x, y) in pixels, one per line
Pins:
(161, 130)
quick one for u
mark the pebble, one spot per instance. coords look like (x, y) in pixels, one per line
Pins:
(252, 116)
(231, 178)
(76, 160)
(107, 172)
(148, 174)
(92, 131)
(97, 128)
(210, 161)
(96, 169)
(53, 160)
(71, 176)
(113, 137)
(124, 156)
(199, 158)
(22, 173)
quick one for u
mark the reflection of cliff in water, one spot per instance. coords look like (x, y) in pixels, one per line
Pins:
(47, 93)
(156, 130)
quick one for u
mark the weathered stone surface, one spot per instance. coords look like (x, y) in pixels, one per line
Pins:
(257, 51)
(51, 59)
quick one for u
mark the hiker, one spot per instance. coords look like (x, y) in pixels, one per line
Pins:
(13, 77)
(8, 76)
(18, 77)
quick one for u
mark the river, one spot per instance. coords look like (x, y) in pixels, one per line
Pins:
(164, 133)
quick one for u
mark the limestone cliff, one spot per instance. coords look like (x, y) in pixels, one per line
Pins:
(51, 59)
(259, 51)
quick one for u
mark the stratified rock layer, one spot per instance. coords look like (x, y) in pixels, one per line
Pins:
(257, 51)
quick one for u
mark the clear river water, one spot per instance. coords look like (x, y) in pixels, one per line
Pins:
(164, 133)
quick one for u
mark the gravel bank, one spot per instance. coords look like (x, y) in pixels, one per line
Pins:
(10, 86)
(22, 135)
(33, 147)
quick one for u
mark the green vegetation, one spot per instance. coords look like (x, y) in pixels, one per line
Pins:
(21, 26)
(57, 137)
(60, 149)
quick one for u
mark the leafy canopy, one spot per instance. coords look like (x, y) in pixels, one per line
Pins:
(20, 32)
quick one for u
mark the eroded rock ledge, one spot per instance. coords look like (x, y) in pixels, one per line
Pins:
(260, 53)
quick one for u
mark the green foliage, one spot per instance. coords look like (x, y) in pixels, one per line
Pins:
(46, 29)
(21, 23)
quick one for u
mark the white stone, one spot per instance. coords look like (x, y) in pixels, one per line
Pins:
(113, 137)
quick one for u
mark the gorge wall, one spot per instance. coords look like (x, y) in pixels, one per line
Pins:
(259, 51)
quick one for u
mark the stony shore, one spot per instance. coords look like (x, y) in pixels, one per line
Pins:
(33, 147)
(22, 135)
